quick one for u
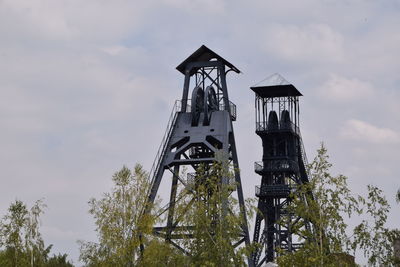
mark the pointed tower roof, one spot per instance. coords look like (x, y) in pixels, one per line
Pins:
(275, 86)
(204, 54)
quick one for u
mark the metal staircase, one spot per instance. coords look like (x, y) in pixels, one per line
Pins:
(164, 142)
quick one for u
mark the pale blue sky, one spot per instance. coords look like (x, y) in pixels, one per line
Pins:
(87, 86)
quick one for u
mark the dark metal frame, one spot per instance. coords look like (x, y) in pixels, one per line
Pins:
(185, 144)
(282, 169)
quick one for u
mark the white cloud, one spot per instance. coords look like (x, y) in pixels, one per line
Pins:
(313, 42)
(363, 131)
(114, 49)
(196, 6)
(342, 89)
(33, 19)
(91, 20)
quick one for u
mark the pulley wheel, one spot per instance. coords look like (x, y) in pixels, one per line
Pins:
(197, 103)
(210, 104)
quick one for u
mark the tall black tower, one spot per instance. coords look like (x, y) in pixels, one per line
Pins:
(282, 168)
(199, 129)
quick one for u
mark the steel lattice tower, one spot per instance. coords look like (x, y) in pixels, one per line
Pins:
(282, 168)
(198, 128)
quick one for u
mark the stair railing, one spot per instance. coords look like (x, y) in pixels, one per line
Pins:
(163, 146)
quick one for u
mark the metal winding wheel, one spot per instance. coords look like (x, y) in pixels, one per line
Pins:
(197, 104)
(210, 104)
(203, 102)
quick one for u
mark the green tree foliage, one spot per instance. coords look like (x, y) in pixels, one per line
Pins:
(329, 243)
(59, 260)
(371, 235)
(121, 224)
(324, 208)
(210, 208)
(160, 253)
(21, 240)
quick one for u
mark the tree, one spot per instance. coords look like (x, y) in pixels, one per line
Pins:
(324, 207)
(214, 215)
(19, 234)
(59, 260)
(374, 239)
(21, 239)
(329, 242)
(121, 224)
(11, 233)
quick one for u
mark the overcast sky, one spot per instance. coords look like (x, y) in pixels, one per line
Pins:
(87, 86)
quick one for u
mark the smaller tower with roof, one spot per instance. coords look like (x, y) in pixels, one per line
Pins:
(282, 168)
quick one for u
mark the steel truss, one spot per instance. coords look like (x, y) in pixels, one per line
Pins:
(282, 170)
(199, 129)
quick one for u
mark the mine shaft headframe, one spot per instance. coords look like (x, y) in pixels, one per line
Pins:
(276, 97)
(209, 89)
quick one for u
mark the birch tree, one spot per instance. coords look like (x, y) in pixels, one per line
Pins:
(331, 242)
(121, 224)
(21, 241)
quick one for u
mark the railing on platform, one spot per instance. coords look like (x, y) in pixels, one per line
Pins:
(276, 165)
(277, 190)
(232, 108)
(264, 126)
(192, 180)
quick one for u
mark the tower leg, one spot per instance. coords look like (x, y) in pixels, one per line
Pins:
(270, 225)
(240, 196)
(172, 200)
(256, 237)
